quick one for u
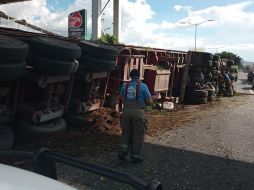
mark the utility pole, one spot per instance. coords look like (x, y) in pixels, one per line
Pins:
(196, 28)
(117, 19)
(96, 19)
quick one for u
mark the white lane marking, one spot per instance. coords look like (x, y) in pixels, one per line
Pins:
(251, 91)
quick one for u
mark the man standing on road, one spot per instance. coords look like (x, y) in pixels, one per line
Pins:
(228, 84)
(134, 95)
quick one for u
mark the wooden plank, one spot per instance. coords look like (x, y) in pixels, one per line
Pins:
(185, 76)
(133, 56)
(125, 70)
(171, 82)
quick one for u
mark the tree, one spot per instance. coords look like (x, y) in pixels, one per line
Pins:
(228, 55)
(107, 38)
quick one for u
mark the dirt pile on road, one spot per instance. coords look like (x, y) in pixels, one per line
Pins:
(104, 133)
(106, 120)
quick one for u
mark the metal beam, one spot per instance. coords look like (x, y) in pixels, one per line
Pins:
(11, 1)
(24, 23)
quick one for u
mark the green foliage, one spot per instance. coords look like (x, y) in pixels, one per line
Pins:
(228, 55)
(107, 38)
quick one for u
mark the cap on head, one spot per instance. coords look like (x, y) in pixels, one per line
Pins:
(135, 73)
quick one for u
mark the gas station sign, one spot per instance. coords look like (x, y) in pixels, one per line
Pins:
(77, 24)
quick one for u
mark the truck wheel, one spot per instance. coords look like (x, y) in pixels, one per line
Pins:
(45, 129)
(12, 49)
(83, 75)
(197, 77)
(6, 137)
(92, 64)
(208, 56)
(211, 98)
(208, 63)
(53, 67)
(99, 50)
(55, 49)
(197, 93)
(11, 71)
(195, 100)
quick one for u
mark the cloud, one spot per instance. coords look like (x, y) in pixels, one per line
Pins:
(36, 12)
(182, 8)
(233, 27)
(168, 25)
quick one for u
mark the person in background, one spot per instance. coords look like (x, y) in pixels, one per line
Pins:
(134, 95)
(232, 79)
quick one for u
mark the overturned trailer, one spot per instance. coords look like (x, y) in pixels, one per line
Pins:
(56, 87)
(164, 71)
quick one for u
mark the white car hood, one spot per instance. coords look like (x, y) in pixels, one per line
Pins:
(12, 178)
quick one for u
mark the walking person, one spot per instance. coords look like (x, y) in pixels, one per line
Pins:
(228, 84)
(134, 95)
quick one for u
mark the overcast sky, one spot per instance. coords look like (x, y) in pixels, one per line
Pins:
(156, 23)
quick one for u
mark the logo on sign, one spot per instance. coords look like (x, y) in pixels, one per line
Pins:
(75, 20)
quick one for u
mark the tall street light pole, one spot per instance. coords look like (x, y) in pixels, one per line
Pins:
(196, 28)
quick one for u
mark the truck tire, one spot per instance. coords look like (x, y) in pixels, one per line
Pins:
(196, 93)
(92, 64)
(11, 71)
(211, 98)
(6, 137)
(83, 75)
(197, 77)
(208, 63)
(195, 100)
(12, 49)
(99, 50)
(56, 126)
(53, 67)
(208, 56)
(55, 49)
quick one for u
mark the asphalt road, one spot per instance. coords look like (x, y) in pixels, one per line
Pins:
(215, 151)
(243, 86)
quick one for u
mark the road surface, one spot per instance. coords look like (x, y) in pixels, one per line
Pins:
(214, 151)
(243, 86)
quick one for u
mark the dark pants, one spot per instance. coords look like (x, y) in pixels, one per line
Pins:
(133, 123)
(229, 88)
